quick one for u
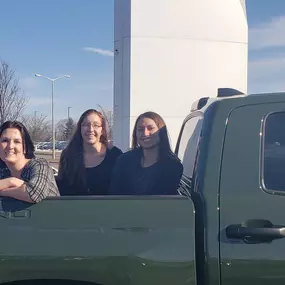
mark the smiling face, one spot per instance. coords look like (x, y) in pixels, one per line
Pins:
(147, 133)
(11, 146)
(91, 129)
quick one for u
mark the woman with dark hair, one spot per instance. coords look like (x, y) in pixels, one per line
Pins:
(22, 175)
(87, 162)
(150, 168)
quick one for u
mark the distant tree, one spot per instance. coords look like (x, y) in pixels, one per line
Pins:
(38, 127)
(12, 99)
(60, 130)
(65, 129)
(48, 133)
(108, 115)
(69, 129)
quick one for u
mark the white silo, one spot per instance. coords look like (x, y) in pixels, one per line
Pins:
(169, 53)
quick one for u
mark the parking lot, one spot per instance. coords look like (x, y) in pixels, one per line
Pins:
(44, 149)
(48, 156)
(59, 145)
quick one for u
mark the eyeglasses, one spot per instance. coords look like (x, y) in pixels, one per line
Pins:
(94, 125)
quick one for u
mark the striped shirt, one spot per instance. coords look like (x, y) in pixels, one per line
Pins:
(39, 179)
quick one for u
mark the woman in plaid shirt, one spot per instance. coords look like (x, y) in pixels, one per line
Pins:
(22, 175)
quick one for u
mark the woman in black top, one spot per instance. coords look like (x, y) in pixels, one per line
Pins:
(87, 162)
(150, 168)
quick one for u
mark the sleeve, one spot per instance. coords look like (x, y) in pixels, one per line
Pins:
(116, 186)
(41, 183)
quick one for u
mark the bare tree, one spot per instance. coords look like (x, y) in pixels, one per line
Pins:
(65, 129)
(69, 129)
(108, 115)
(60, 128)
(38, 127)
(12, 99)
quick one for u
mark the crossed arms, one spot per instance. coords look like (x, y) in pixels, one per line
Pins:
(15, 188)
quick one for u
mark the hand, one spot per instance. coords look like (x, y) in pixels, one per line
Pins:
(15, 182)
(10, 183)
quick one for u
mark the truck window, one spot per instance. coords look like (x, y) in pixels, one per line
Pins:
(274, 152)
(188, 144)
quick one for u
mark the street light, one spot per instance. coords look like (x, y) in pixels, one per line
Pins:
(52, 112)
(68, 112)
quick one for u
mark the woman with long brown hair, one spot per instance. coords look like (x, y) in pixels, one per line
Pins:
(87, 162)
(150, 168)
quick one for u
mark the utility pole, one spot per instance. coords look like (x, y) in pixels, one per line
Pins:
(68, 112)
(35, 116)
(52, 107)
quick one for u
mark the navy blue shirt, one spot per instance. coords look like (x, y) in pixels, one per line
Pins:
(130, 178)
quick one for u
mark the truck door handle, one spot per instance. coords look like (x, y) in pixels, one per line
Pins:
(255, 231)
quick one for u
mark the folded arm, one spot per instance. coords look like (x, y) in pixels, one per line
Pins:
(18, 192)
(10, 182)
(40, 184)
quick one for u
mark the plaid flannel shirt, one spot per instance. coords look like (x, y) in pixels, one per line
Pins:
(38, 177)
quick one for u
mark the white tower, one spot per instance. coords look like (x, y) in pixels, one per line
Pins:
(169, 53)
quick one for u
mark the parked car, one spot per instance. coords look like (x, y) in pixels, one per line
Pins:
(55, 171)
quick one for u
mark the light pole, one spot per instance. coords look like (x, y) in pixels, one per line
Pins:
(35, 127)
(52, 106)
(68, 112)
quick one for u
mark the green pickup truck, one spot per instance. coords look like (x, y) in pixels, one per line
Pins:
(225, 226)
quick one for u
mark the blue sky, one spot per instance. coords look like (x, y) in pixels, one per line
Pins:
(75, 37)
(266, 21)
(49, 37)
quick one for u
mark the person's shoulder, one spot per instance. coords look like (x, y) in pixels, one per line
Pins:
(4, 170)
(38, 162)
(115, 151)
(2, 164)
(128, 156)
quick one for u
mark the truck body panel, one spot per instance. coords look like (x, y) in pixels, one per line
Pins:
(243, 198)
(130, 240)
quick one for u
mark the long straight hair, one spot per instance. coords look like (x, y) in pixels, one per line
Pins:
(164, 144)
(71, 165)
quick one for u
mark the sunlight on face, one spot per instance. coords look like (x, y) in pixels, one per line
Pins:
(91, 129)
(147, 133)
(11, 146)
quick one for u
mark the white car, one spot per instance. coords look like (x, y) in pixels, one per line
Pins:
(55, 171)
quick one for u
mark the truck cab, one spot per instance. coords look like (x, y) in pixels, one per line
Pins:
(224, 226)
(232, 149)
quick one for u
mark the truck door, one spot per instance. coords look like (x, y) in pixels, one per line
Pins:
(252, 196)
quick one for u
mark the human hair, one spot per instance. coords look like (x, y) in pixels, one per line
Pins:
(164, 144)
(71, 165)
(28, 145)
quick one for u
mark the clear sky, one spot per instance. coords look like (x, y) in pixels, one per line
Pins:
(266, 21)
(75, 37)
(52, 38)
